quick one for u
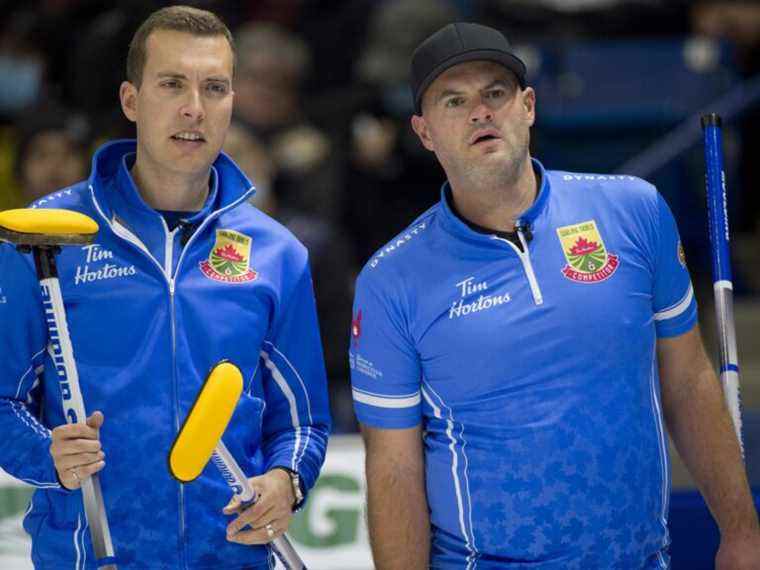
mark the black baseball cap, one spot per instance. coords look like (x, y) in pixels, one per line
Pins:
(458, 43)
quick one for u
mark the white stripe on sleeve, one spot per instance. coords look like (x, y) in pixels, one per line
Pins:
(386, 401)
(678, 308)
(37, 371)
(291, 398)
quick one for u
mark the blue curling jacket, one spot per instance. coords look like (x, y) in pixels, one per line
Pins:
(150, 311)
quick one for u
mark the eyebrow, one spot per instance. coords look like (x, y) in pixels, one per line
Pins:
(171, 75)
(447, 93)
(497, 83)
(453, 92)
(174, 75)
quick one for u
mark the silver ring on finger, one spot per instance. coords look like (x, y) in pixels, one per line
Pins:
(74, 473)
(270, 530)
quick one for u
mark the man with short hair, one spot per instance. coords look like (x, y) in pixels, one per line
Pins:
(516, 349)
(184, 273)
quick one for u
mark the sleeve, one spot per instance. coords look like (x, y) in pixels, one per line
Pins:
(296, 421)
(24, 446)
(674, 304)
(385, 366)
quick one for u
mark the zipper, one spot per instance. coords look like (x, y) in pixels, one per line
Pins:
(172, 280)
(168, 266)
(124, 233)
(166, 271)
(524, 256)
(175, 389)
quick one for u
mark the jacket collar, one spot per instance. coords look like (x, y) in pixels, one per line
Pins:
(115, 192)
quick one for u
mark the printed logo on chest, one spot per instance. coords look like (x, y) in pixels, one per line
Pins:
(588, 261)
(98, 266)
(229, 260)
(468, 288)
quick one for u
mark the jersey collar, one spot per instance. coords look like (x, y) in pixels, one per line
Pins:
(454, 224)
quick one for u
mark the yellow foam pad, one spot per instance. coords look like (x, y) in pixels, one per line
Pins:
(206, 422)
(47, 222)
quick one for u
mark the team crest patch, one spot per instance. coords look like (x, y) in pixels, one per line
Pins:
(588, 261)
(229, 258)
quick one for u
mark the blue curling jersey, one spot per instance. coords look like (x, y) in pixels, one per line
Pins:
(533, 371)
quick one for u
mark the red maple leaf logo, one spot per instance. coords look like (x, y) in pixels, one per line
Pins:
(228, 252)
(584, 247)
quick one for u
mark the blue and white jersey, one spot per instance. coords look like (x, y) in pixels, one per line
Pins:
(533, 371)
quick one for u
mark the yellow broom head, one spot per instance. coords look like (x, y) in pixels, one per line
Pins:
(206, 422)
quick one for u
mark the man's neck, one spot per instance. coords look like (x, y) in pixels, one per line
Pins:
(169, 192)
(496, 204)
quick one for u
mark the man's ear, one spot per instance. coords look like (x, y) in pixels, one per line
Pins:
(529, 102)
(128, 98)
(419, 125)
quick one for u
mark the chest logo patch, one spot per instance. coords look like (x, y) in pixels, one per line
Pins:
(588, 261)
(229, 260)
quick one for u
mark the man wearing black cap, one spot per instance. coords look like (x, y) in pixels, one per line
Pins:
(517, 350)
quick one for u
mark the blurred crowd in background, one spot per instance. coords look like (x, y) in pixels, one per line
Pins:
(322, 107)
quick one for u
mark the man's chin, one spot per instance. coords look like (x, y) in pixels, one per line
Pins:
(202, 159)
(492, 155)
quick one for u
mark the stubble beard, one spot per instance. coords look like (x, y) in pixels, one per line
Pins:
(493, 172)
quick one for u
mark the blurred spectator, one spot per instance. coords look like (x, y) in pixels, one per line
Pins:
(51, 152)
(330, 254)
(10, 195)
(736, 21)
(389, 172)
(22, 63)
(100, 51)
(271, 68)
(252, 157)
(335, 31)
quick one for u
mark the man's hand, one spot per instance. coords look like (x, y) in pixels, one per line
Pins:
(269, 517)
(76, 451)
(739, 553)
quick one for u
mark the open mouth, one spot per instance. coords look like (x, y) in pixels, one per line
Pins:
(189, 137)
(484, 136)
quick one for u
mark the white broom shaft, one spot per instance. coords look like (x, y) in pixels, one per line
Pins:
(73, 408)
(235, 478)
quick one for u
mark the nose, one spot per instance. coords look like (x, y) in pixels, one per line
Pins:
(481, 113)
(193, 108)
